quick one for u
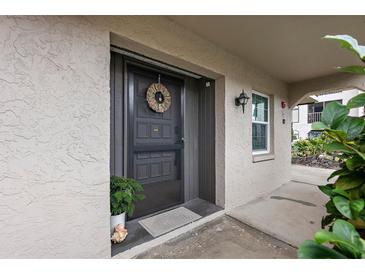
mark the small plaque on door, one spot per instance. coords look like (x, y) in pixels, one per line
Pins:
(156, 131)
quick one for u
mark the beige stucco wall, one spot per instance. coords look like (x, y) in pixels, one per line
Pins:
(244, 180)
(337, 81)
(54, 138)
(54, 124)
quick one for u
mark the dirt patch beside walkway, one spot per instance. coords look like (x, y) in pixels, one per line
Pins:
(223, 238)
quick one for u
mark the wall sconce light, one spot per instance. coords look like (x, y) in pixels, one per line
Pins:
(242, 100)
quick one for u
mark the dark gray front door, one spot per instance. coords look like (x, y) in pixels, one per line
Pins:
(155, 141)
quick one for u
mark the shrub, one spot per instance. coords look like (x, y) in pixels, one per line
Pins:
(309, 147)
(124, 192)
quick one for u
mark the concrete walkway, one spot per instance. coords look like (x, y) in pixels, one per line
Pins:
(267, 227)
(310, 175)
(291, 213)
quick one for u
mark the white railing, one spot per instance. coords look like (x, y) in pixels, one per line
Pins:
(314, 117)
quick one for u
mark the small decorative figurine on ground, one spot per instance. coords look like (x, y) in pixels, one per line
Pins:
(120, 233)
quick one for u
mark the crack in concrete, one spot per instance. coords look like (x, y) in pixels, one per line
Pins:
(293, 200)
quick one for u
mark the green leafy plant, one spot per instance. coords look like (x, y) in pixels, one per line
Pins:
(346, 213)
(124, 192)
(309, 147)
(348, 140)
(345, 240)
(351, 44)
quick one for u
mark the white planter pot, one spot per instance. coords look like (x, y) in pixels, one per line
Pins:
(115, 220)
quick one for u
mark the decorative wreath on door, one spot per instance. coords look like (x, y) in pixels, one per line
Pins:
(158, 97)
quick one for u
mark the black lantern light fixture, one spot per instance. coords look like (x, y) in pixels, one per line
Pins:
(242, 100)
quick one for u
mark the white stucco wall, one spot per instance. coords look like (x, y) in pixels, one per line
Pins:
(54, 138)
(54, 126)
(303, 127)
(345, 96)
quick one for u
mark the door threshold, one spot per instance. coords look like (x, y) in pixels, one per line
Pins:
(143, 247)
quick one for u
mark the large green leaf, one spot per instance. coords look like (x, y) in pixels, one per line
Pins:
(357, 205)
(336, 134)
(344, 229)
(362, 215)
(312, 250)
(334, 114)
(352, 126)
(343, 205)
(350, 43)
(355, 193)
(324, 236)
(343, 171)
(353, 69)
(350, 181)
(361, 154)
(348, 232)
(344, 237)
(327, 189)
(340, 192)
(362, 147)
(355, 162)
(357, 101)
(319, 126)
(337, 146)
(359, 147)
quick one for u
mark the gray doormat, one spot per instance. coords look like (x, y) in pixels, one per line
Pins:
(168, 221)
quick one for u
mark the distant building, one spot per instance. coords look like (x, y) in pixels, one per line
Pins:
(305, 114)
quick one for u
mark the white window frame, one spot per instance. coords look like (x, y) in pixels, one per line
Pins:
(267, 150)
(297, 110)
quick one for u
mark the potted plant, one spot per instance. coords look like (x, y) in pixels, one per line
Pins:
(124, 192)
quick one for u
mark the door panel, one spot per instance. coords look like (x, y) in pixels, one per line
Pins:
(155, 147)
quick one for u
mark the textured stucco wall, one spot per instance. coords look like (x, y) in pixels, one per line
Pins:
(54, 126)
(334, 82)
(54, 138)
(244, 180)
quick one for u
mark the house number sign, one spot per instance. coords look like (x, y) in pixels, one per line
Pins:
(158, 97)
